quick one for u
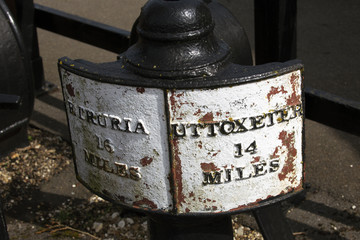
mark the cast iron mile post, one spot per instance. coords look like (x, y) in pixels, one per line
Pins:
(174, 128)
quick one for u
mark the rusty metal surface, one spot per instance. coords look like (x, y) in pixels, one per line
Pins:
(187, 151)
(234, 147)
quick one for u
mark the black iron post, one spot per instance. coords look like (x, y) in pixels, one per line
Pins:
(24, 14)
(272, 223)
(275, 41)
(3, 229)
(275, 30)
(190, 228)
(180, 163)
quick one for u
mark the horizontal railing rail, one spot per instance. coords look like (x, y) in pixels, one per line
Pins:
(91, 32)
(321, 106)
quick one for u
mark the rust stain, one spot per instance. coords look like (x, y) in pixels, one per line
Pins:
(294, 99)
(176, 103)
(214, 208)
(145, 203)
(200, 145)
(187, 210)
(253, 204)
(140, 90)
(172, 98)
(256, 203)
(208, 167)
(198, 112)
(207, 118)
(275, 153)
(274, 91)
(70, 90)
(288, 170)
(214, 154)
(256, 160)
(146, 161)
(177, 174)
(299, 187)
(191, 194)
(173, 105)
(180, 95)
(269, 196)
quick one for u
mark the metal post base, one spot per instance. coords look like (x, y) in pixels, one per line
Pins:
(3, 230)
(190, 228)
(272, 223)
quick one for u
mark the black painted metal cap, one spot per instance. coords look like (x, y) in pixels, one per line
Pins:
(174, 19)
(176, 40)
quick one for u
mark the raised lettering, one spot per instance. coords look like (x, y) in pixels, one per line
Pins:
(89, 157)
(81, 113)
(240, 171)
(253, 170)
(212, 177)
(241, 126)
(211, 132)
(251, 148)
(115, 123)
(284, 114)
(281, 115)
(259, 169)
(109, 146)
(127, 124)
(227, 127)
(106, 167)
(297, 110)
(90, 117)
(228, 175)
(105, 144)
(257, 122)
(274, 165)
(271, 119)
(71, 108)
(141, 127)
(107, 121)
(97, 161)
(194, 129)
(238, 150)
(121, 169)
(102, 122)
(176, 132)
(135, 173)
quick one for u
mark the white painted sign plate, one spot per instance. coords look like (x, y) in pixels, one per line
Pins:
(187, 150)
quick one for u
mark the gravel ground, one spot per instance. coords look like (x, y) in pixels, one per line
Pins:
(23, 171)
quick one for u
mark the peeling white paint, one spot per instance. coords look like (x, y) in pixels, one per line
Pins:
(148, 147)
(250, 130)
(206, 154)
